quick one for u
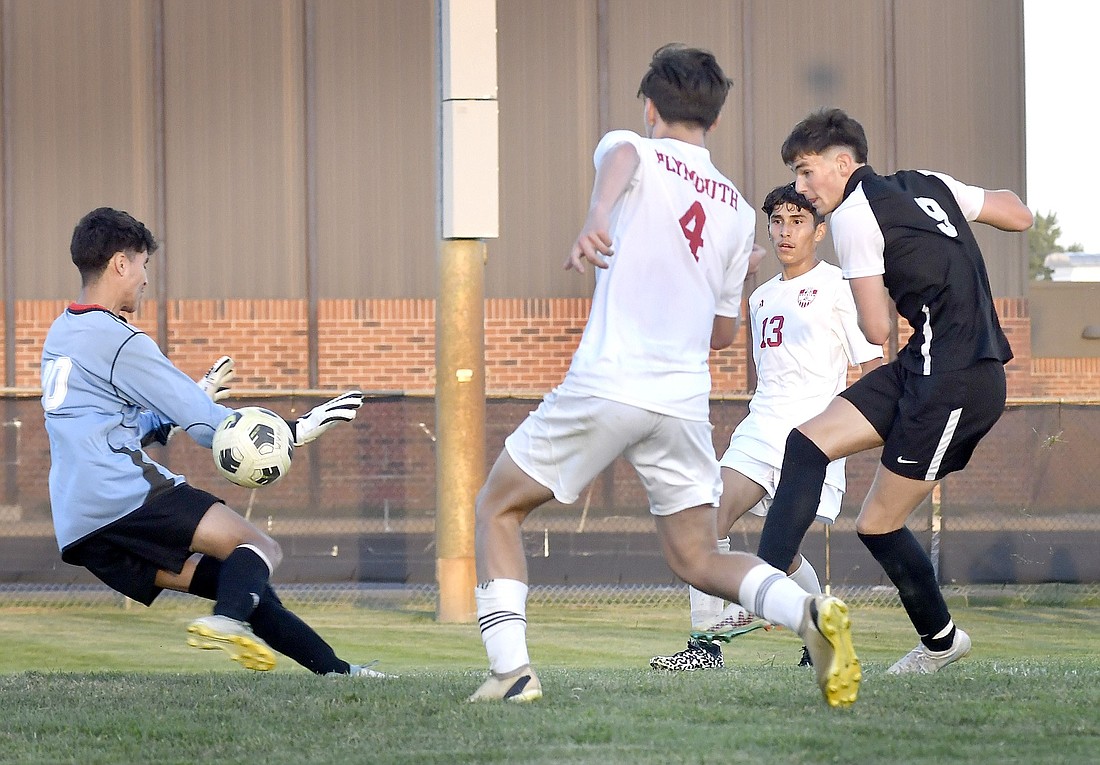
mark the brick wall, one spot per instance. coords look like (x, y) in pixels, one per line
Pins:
(389, 345)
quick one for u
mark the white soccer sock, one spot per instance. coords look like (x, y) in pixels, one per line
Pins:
(732, 615)
(771, 595)
(502, 616)
(705, 609)
(806, 577)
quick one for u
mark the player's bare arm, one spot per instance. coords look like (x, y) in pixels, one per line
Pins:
(1003, 209)
(723, 332)
(872, 307)
(867, 366)
(613, 178)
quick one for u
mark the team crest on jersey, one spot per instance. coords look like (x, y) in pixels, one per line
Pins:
(806, 296)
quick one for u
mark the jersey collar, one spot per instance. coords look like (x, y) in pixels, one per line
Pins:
(80, 309)
(84, 308)
(854, 180)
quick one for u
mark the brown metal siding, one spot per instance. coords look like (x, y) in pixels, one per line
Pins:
(546, 75)
(234, 171)
(376, 155)
(82, 122)
(841, 63)
(79, 95)
(961, 108)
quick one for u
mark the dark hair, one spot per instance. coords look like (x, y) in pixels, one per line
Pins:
(824, 130)
(781, 195)
(103, 232)
(686, 85)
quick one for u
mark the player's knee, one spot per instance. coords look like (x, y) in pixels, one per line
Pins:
(271, 550)
(692, 569)
(276, 554)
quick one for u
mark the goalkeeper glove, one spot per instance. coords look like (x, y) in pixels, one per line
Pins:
(215, 383)
(323, 416)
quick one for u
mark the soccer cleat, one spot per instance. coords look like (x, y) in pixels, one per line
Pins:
(921, 661)
(722, 634)
(234, 637)
(827, 632)
(518, 687)
(804, 660)
(698, 655)
(363, 670)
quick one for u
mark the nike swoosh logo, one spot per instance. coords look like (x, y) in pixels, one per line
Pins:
(903, 461)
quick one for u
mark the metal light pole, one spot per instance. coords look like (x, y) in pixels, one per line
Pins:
(469, 214)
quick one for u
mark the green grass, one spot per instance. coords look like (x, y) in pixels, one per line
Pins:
(100, 685)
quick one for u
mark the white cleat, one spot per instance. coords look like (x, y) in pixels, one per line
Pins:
(518, 687)
(368, 671)
(921, 661)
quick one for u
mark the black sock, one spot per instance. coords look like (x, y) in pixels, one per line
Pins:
(284, 631)
(910, 569)
(204, 582)
(274, 623)
(243, 577)
(794, 507)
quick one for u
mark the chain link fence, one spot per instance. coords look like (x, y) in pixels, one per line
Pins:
(355, 517)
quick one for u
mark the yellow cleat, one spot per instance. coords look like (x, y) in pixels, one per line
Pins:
(827, 632)
(235, 638)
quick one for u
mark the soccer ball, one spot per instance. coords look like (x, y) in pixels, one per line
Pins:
(253, 447)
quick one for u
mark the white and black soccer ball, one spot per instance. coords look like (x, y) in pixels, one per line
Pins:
(253, 447)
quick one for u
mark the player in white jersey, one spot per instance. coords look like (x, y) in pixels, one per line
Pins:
(672, 237)
(107, 393)
(805, 336)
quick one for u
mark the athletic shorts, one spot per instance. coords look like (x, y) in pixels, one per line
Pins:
(571, 438)
(767, 477)
(127, 554)
(930, 424)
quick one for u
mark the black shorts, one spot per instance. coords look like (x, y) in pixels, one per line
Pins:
(127, 554)
(930, 424)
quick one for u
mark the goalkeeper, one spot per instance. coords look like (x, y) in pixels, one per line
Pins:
(108, 392)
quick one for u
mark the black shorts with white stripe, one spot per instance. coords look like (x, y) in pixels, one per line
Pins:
(930, 424)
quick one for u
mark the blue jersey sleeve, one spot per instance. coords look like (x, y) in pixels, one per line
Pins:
(146, 377)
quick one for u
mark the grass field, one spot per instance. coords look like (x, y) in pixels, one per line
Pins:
(101, 685)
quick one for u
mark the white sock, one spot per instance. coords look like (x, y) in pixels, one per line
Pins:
(502, 616)
(773, 596)
(705, 609)
(806, 578)
(733, 615)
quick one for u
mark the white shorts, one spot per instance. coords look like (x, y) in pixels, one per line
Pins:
(768, 477)
(571, 438)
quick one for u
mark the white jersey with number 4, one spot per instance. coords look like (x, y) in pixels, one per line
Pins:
(681, 236)
(805, 336)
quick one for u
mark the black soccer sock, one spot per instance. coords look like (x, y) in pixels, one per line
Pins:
(273, 623)
(284, 631)
(204, 582)
(796, 500)
(243, 577)
(910, 569)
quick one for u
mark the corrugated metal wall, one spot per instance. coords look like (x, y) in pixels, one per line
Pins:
(209, 118)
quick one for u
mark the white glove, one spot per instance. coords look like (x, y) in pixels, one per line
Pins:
(323, 416)
(215, 383)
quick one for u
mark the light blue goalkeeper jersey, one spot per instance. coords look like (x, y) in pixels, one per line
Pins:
(106, 388)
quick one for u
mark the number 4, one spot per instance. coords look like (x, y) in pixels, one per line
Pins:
(691, 223)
